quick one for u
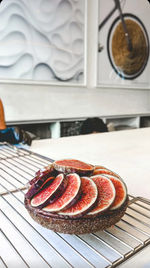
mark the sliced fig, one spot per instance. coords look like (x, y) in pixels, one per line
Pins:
(50, 193)
(70, 195)
(87, 199)
(105, 171)
(106, 195)
(121, 192)
(37, 182)
(34, 189)
(42, 174)
(99, 167)
(73, 166)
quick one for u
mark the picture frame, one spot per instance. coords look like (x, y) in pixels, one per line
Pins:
(109, 72)
(43, 43)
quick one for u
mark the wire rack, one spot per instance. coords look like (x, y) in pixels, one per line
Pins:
(24, 243)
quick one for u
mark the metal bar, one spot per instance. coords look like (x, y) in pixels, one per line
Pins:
(23, 159)
(135, 227)
(35, 231)
(136, 210)
(68, 243)
(2, 261)
(41, 235)
(142, 206)
(13, 245)
(11, 176)
(23, 165)
(145, 200)
(104, 257)
(57, 234)
(127, 232)
(17, 172)
(31, 174)
(37, 160)
(119, 240)
(38, 155)
(25, 238)
(99, 238)
(10, 151)
(138, 220)
(13, 191)
(140, 198)
(75, 250)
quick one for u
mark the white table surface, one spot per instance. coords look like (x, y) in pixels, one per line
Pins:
(125, 152)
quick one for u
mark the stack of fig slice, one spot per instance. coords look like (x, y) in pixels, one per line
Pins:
(50, 193)
(72, 196)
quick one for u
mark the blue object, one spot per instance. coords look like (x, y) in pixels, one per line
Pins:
(10, 135)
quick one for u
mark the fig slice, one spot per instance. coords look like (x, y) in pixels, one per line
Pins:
(73, 166)
(42, 174)
(121, 192)
(37, 182)
(87, 199)
(50, 193)
(70, 195)
(106, 195)
(104, 171)
(99, 167)
(34, 189)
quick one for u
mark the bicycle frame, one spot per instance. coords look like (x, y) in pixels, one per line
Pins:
(118, 6)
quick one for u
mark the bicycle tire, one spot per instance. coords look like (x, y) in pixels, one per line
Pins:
(116, 68)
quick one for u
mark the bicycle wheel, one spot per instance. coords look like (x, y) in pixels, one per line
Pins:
(128, 64)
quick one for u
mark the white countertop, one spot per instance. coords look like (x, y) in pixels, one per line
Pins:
(125, 152)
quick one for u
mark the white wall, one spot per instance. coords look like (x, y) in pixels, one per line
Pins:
(25, 102)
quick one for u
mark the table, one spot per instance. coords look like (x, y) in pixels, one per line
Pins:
(126, 152)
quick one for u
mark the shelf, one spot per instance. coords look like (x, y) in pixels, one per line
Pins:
(71, 126)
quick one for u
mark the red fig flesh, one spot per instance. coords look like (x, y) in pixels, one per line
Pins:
(106, 194)
(48, 194)
(121, 192)
(86, 201)
(99, 167)
(69, 197)
(105, 171)
(73, 166)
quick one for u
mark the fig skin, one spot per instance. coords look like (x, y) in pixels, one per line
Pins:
(83, 200)
(40, 178)
(42, 174)
(72, 200)
(64, 167)
(115, 206)
(55, 195)
(105, 171)
(99, 167)
(106, 191)
(34, 189)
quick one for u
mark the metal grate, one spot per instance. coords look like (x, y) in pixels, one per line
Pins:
(24, 243)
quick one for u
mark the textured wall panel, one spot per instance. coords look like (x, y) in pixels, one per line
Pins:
(42, 40)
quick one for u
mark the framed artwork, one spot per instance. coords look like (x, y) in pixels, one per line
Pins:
(123, 44)
(43, 40)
